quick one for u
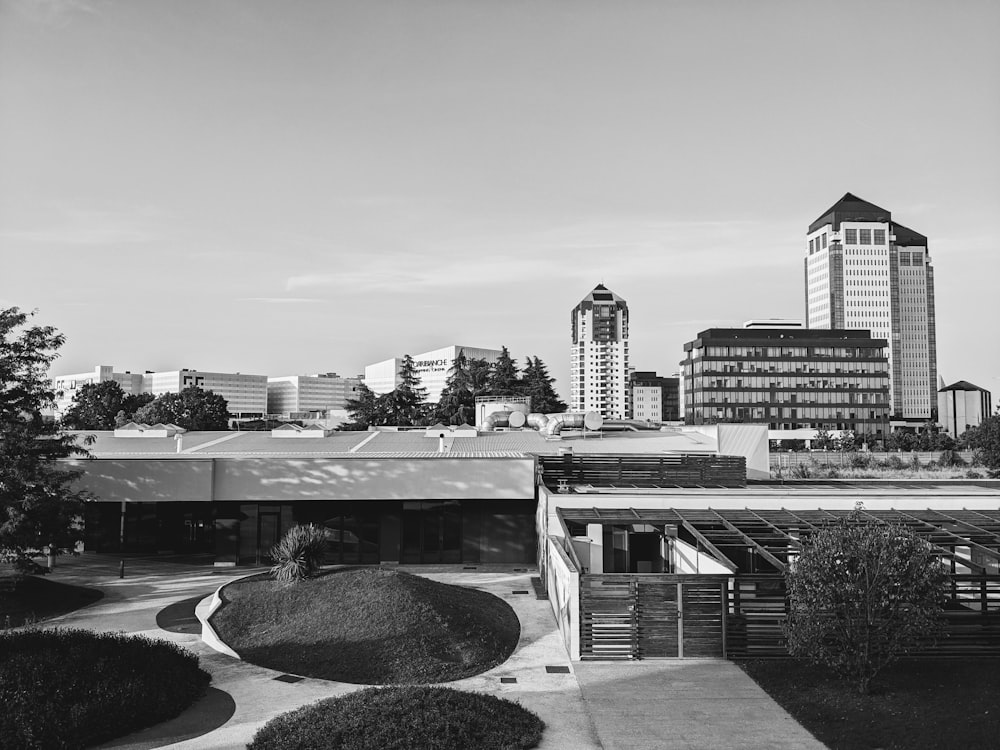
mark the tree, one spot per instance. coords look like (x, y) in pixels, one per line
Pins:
(406, 401)
(367, 409)
(823, 441)
(457, 404)
(503, 380)
(985, 440)
(39, 509)
(95, 406)
(536, 383)
(192, 409)
(862, 593)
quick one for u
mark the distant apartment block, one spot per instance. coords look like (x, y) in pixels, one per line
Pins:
(789, 379)
(432, 367)
(865, 271)
(653, 398)
(298, 396)
(963, 405)
(246, 395)
(599, 355)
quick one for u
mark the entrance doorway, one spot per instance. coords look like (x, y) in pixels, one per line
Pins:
(432, 532)
(652, 616)
(268, 534)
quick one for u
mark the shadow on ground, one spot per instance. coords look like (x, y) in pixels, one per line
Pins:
(207, 715)
(179, 617)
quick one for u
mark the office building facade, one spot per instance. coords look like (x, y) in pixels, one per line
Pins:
(788, 379)
(432, 367)
(599, 355)
(298, 396)
(865, 271)
(963, 405)
(653, 398)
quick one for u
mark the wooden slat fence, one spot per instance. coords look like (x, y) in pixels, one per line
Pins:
(602, 470)
(838, 458)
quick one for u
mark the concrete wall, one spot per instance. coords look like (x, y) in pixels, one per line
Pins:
(293, 479)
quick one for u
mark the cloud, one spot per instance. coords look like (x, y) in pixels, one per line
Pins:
(54, 12)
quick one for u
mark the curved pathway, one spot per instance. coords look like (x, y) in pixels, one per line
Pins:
(585, 706)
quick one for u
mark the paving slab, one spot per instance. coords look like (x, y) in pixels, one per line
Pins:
(685, 704)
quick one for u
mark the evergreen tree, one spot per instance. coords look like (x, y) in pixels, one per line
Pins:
(457, 404)
(39, 510)
(406, 402)
(536, 383)
(503, 380)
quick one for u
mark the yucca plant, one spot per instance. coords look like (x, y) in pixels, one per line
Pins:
(299, 554)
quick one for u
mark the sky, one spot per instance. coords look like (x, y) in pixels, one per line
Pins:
(298, 187)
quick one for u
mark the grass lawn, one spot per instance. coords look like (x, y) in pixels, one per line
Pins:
(367, 626)
(35, 598)
(914, 705)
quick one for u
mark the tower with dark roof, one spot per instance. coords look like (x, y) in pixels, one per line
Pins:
(599, 354)
(864, 270)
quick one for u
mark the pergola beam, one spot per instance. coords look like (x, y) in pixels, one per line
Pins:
(961, 539)
(943, 551)
(703, 540)
(753, 543)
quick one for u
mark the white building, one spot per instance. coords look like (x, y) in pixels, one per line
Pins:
(67, 386)
(432, 367)
(963, 405)
(245, 395)
(599, 355)
(863, 270)
(294, 396)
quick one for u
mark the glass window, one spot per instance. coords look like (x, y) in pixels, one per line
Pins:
(879, 237)
(851, 236)
(864, 236)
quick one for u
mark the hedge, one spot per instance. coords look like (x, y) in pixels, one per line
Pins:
(65, 688)
(403, 718)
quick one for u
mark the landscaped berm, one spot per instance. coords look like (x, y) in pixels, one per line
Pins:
(404, 718)
(367, 626)
(73, 688)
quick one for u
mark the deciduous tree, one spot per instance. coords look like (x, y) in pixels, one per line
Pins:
(192, 409)
(862, 593)
(39, 509)
(985, 440)
(95, 406)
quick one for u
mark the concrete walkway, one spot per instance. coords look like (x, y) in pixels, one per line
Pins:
(585, 706)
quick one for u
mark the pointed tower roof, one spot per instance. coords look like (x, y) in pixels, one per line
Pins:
(601, 293)
(961, 385)
(850, 208)
(907, 237)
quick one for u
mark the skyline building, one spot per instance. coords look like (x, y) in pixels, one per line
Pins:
(865, 271)
(654, 398)
(599, 355)
(298, 396)
(963, 405)
(796, 381)
(432, 367)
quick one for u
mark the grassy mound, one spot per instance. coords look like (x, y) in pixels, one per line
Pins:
(368, 626)
(918, 704)
(399, 718)
(30, 599)
(74, 688)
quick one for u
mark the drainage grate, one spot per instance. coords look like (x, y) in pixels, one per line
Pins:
(469, 567)
(519, 592)
(556, 670)
(288, 678)
(508, 680)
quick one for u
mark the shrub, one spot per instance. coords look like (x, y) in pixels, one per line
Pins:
(915, 462)
(862, 593)
(973, 474)
(950, 458)
(893, 462)
(801, 471)
(74, 688)
(299, 554)
(403, 717)
(860, 461)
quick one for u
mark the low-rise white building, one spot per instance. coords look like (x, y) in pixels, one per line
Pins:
(432, 367)
(67, 386)
(294, 396)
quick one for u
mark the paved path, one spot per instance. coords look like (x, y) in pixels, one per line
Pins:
(586, 706)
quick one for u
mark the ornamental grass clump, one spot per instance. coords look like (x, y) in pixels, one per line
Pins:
(299, 554)
(862, 593)
(74, 688)
(400, 718)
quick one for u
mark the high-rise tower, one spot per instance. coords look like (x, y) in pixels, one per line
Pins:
(599, 357)
(863, 270)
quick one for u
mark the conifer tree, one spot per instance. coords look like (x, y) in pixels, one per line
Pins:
(536, 383)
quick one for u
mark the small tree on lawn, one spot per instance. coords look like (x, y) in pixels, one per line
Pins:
(862, 593)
